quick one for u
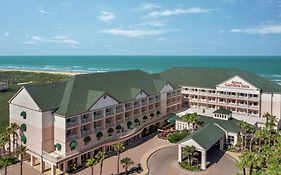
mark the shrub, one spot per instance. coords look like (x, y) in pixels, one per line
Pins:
(177, 136)
(187, 166)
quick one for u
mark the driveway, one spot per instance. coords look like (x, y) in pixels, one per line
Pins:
(164, 162)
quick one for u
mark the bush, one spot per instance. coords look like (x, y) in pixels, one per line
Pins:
(177, 136)
(187, 166)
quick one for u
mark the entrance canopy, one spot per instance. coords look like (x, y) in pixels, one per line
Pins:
(172, 118)
(204, 138)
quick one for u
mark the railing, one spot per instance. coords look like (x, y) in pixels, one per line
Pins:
(137, 105)
(54, 157)
(137, 115)
(128, 107)
(98, 116)
(71, 137)
(71, 124)
(85, 120)
(98, 128)
(151, 101)
(109, 113)
(85, 133)
(128, 118)
(119, 110)
(109, 124)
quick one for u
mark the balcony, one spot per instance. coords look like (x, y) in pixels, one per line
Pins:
(128, 118)
(137, 115)
(71, 137)
(98, 116)
(151, 101)
(128, 107)
(98, 128)
(109, 124)
(85, 120)
(71, 124)
(143, 103)
(109, 113)
(85, 133)
(137, 105)
(119, 110)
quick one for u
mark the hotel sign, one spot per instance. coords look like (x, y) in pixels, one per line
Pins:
(237, 84)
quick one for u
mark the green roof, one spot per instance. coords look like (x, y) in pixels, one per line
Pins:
(231, 125)
(206, 136)
(210, 77)
(172, 118)
(223, 111)
(80, 92)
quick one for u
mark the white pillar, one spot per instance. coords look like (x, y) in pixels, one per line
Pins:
(42, 166)
(235, 139)
(179, 153)
(203, 160)
(221, 143)
(32, 161)
(64, 166)
(53, 169)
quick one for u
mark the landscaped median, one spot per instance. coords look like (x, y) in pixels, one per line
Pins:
(147, 155)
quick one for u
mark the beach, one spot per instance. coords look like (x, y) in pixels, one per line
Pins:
(42, 71)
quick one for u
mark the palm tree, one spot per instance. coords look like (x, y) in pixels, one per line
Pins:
(9, 132)
(194, 120)
(14, 130)
(189, 152)
(5, 162)
(21, 150)
(118, 148)
(100, 157)
(3, 140)
(243, 130)
(91, 163)
(126, 162)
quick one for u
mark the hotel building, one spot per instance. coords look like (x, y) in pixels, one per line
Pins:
(65, 123)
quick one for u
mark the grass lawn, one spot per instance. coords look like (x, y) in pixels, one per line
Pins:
(15, 77)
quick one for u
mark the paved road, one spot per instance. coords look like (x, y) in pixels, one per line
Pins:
(164, 162)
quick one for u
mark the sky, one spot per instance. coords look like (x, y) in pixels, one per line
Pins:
(139, 27)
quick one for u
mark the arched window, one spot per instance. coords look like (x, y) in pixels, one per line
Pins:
(23, 114)
(23, 127)
(23, 139)
(73, 145)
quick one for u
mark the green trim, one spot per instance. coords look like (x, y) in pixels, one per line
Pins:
(172, 118)
(23, 127)
(118, 127)
(58, 146)
(129, 124)
(222, 111)
(99, 134)
(110, 130)
(23, 139)
(144, 117)
(158, 113)
(87, 139)
(73, 145)
(23, 114)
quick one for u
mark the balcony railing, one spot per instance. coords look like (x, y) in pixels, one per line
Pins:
(137, 105)
(128, 118)
(109, 124)
(98, 128)
(109, 113)
(71, 124)
(137, 115)
(71, 137)
(55, 157)
(85, 120)
(144, 103)
(119, 110)
(128, 107)
(98, 116)
(85, 133)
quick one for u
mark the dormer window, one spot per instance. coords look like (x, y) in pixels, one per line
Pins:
(104, 96)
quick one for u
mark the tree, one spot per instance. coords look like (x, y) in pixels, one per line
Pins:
(126, 163)
(9, 132)
(100, 158)
(119, 147)
(91, 163)
(5, 162)
(14, 130)
(4, 138)
(21, 150)
(189, 152)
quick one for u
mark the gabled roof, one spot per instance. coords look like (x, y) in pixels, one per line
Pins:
(47, 96)
(206, 136)
(210, 77)
(222, 111)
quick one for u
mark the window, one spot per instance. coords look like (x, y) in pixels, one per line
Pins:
(104, 96)
(23, 114)
(230, 139)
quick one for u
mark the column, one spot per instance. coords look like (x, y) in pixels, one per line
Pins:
(221, 143)
(53, 169)
(65, 166)
(179, 153)
(32, 161)
(42, 166)
(203, 160)
(78, 161)
(235, 139)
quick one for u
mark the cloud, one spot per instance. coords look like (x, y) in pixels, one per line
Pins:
(178, 11)
(29, 43)
(261, 29)
(154, 23)
(44, 12)
(106, 16)
(7, 34)
(137, 33)
(147, 6)
(56, 39)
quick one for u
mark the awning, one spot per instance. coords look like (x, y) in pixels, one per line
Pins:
(23, 139)
(172, 119)
(23, 127)
(73, 144)
(23, 114)
(58, 146)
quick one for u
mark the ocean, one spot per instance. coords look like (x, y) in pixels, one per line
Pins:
(265, 66)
